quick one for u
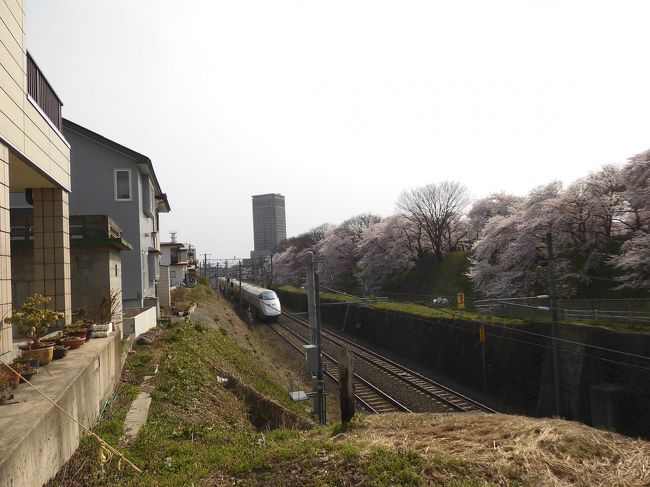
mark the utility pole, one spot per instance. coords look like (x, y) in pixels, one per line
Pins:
(311, 299)
(320, 380)
(216, 280)
(313, 304)
(271, 280)
(205, 265)
(554, 325)
(241, 303)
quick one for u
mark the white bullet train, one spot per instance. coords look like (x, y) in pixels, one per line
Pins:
(263, 302)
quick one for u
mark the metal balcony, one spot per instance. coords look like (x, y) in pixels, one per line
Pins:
(42, 93)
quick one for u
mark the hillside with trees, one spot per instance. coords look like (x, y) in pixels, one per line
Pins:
(599, 225)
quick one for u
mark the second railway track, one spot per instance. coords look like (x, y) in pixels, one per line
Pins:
(367, 395)
(433, 395)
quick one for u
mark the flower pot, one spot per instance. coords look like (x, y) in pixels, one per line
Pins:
(108, 328)
(43, 350)
(60, 352)
(27, 374)
(34, 362)
(73, 342)
(79, 334)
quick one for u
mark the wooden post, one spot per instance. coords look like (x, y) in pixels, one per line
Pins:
(346, 385)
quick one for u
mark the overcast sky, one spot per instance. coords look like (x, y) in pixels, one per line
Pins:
(340, 106)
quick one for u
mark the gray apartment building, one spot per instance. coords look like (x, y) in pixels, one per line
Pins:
(269, 223)
(110, 179)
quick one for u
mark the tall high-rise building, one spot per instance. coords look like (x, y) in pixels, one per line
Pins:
(269, 223)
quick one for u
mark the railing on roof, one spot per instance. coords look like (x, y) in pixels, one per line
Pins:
(40, 90)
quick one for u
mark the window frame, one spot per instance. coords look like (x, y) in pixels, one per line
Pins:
(115, 171)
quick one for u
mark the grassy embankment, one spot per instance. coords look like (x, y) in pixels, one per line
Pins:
(431, 278)
(202, 433)
(414, 309)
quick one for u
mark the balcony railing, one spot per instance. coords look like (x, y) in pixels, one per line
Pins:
(93, 226)
(41, 91)
(81, 226)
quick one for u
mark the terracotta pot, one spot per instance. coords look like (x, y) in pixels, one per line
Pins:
(43, 350)
(73, 342)
(79, 334)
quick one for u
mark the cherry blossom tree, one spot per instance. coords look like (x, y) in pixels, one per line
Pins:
(337, 251)
(634, 262)
(384, 250)
(634, 257)
(289, 260)
(510, 256)
(484, 209)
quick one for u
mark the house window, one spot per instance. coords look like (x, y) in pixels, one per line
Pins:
(122, 185)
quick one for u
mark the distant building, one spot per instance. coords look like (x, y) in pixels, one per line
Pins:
(176, 256)
(269, 223)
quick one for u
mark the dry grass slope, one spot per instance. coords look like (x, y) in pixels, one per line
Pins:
(513, 450)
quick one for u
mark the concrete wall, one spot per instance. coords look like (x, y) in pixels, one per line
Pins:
(22, 124)
(164, 287)
(519, 365)
(136, 324)
(37, 438)
(95, 271)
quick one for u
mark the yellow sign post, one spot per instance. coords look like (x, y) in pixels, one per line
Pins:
(461, 300)
(481, 334)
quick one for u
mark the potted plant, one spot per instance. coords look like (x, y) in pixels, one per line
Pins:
(6, 385)
(27, 373)
(73, 342)
(79, 329)
(14, 375)
(34, 320)
(107, 307)
(60, 351)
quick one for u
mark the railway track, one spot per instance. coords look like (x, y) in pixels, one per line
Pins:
(367, 395)
(446, 398)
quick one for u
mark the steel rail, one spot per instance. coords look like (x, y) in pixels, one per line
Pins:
(366, 395)
(431, 388)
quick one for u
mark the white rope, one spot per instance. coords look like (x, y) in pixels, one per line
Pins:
(101, 441)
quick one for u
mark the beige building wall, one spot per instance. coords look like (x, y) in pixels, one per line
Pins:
(52, 248)
(5, 256)
(22, 124)
(33, 154)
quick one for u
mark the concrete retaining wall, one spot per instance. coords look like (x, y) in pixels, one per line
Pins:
(141, 322)
(37, 438)
(519, 365)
